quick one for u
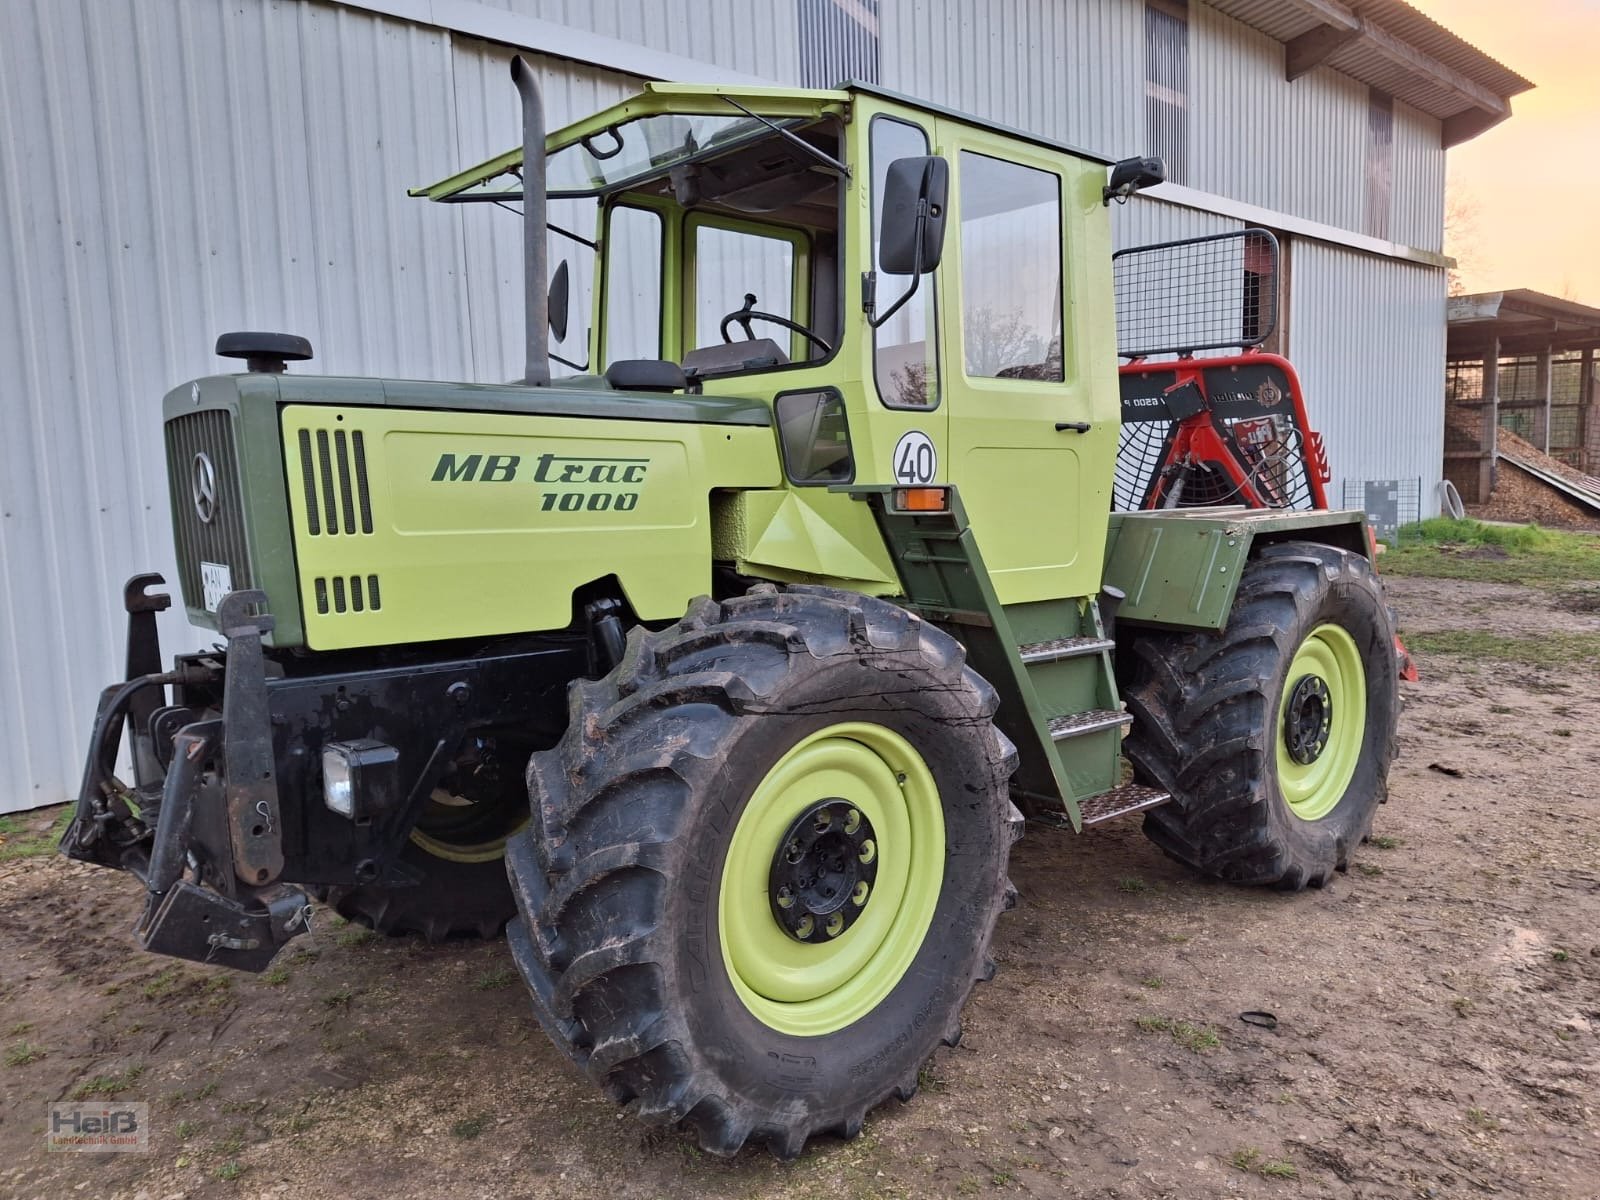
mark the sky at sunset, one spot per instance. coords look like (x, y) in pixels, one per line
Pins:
(1531, 185)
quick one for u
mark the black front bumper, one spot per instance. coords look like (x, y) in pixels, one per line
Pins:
(225, 822)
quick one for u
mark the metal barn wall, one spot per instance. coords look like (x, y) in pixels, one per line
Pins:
(1298, 147)
(758, 38)
(1070, 71)
(1366, 339)
(1418, 216)
(1075, 72)
(1145, 220)
(170, 170)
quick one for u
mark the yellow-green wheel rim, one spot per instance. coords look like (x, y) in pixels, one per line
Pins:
(487, 850)
(811, 989)
(1313, 790)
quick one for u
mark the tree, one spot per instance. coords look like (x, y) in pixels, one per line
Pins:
(998, 340)
(1460, 238)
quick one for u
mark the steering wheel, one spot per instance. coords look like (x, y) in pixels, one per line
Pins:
(748, 313)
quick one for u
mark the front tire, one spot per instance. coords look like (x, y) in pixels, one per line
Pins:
(456, 851)
(1274, 737)
(765, 865)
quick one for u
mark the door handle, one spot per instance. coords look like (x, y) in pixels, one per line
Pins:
(1075, 426)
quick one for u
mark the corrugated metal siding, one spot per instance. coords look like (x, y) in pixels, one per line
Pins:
(1419, 169)
(1297, 147)
(759, 39)
(169, 171)
(1072, 71)
(1144, 221)
(1368, 340)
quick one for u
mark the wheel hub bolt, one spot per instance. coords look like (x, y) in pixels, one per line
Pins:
(821, 877)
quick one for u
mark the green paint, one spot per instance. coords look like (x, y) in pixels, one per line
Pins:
(1313, 790)
(810, 989)
(1181, 568)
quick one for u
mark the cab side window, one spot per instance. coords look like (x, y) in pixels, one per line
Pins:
(633, 284)
(1010, 270)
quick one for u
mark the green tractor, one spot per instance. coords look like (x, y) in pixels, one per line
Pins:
(726, 669)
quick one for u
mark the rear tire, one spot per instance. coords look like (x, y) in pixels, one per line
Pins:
(1275, 736)
(649, 932)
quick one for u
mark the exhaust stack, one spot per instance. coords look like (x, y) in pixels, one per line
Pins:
(535, 269)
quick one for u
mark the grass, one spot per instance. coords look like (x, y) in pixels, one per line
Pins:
(108, 1086)
(498, 978)
(23, 1053)
(1153, 982)
(1132, 883)
(1196, 1038)
(1369, 869)
(186, 1130)
(1462, 1005)
(469, 1127)
(229, 1171)
(1385, 842)
(16, 842)
(164, 984)
(276, 976)
(1442, 548)
(1551, 649)
(356, 935)
(1560, 955)
(1251, 1162)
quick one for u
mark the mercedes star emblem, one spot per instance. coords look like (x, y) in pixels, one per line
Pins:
(203, 486)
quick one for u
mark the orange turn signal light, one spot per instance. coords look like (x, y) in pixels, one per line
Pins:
(922, 499)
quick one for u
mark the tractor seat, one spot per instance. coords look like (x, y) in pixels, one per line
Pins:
(730, 357)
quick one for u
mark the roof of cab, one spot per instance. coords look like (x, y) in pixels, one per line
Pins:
(774, 102)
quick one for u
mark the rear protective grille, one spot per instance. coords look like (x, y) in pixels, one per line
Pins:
(333, 472)
(347, 593)
(222, 539)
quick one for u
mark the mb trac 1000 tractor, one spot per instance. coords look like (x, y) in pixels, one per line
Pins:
(726, 667)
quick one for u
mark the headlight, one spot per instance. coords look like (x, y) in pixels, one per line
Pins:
(358, 778)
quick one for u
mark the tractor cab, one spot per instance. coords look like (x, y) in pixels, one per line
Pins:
(689, 228)
(917, 295)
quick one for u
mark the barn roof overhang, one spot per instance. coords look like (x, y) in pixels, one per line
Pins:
(1392, 47)
(1522, 321)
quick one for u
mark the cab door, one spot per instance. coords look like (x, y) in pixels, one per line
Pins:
(1025, 444)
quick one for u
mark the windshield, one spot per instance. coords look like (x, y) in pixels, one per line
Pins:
(632, 150)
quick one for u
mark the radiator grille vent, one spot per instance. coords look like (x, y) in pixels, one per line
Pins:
(347, 593)
(221, 539)
(333, 471)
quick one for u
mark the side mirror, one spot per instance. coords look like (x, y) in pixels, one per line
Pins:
(1131, 174)
(560, 289)
(911, 225)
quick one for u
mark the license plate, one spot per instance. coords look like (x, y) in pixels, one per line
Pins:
(216, 581)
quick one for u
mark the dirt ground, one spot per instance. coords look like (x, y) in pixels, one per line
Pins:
(1438, 1015)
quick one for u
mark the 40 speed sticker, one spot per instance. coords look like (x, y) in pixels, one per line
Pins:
(915, 459)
